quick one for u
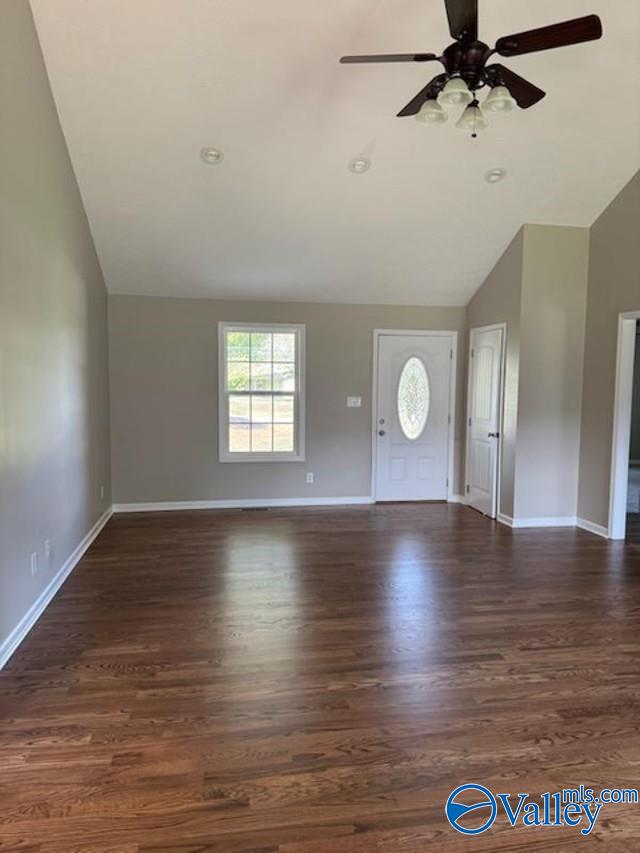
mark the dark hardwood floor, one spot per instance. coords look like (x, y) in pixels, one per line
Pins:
(318, 681)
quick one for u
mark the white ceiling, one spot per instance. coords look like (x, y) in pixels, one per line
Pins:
(143, 85)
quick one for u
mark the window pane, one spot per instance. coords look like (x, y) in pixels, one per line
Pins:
(261, 346)
(239, 438)
(284, 347)
(239, 409)
(261, 377)
(261, 410)
(261, 438)
(413, 398)
(283, 410)
(283, 438)
(238, 376)
(238, 346)
(284, 377)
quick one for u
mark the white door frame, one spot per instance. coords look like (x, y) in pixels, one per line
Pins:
(503, 372)
(620, 445)
(377, 334)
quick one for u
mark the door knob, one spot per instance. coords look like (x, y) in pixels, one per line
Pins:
(381, 432)
(494, 435)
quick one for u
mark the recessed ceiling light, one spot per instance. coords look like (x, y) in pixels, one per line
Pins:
(211, 156)
(494, 176)
(359, 165)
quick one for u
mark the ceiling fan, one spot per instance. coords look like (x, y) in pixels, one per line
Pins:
(466, 69)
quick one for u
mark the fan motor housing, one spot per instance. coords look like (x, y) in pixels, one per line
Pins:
(467, 60)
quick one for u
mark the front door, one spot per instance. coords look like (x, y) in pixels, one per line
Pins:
(484, 413)
(413, 417)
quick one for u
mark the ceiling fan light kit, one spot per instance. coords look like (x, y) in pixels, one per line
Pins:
(472, 119)
(431, 113)
(455, 92)
(467, 68)
(500, 100)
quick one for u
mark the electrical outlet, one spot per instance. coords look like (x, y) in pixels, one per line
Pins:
(309, 477)
(34, 563)
(101, 492)
(354, 402)
(47, 550)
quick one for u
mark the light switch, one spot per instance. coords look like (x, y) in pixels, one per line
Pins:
(354, 402)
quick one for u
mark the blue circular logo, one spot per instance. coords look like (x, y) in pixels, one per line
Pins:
(481, 798)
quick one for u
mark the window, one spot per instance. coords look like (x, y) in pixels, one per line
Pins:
(261, 393)
(413, 398)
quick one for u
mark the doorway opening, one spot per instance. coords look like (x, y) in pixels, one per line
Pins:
(624, 506)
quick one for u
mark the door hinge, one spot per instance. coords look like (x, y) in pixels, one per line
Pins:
(468, 489)
(451, 354)
(449, 420)
(469, 422)
(473, 352)
(447, 482)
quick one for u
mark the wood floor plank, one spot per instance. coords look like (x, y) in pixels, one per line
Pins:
(318, 681)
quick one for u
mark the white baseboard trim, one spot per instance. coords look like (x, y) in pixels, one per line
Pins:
(36, 610)
(553, 521)
(255, 503)
(457, 499)
(591, 527)
(523, 523)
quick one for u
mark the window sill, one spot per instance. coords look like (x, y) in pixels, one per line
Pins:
(262, 457)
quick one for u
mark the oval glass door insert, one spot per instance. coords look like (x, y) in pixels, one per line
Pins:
(413, 398)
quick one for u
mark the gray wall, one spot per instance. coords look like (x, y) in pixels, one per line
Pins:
(54, 409)
(552, 326)
(499, 301)
(163, 355)
(614, 287)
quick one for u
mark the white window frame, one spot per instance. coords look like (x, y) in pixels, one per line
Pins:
(298, 454)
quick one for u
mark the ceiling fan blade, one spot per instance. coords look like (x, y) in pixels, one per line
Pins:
(431, 90)
(390, 57)
(557, 35)
(463, 18)
(525, 93)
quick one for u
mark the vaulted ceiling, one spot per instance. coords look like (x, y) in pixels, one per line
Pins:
(142, 85)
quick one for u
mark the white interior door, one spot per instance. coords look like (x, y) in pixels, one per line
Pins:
(412, 423)
(484, 413)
